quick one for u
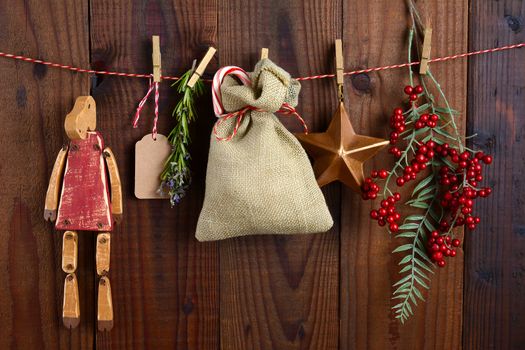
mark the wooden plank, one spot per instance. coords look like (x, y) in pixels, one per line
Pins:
(282, 292)
(494, 270)
(375, 34)
(35, 101)
(164, 282)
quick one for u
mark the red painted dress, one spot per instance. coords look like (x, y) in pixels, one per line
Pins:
(84, 201)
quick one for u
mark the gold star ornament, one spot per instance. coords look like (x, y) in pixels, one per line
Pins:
(339, 153)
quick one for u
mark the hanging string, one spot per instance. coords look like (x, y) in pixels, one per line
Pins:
(286, 109)
(152, 85)
(313, 77)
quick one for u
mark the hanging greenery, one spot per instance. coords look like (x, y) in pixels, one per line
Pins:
(176, 176)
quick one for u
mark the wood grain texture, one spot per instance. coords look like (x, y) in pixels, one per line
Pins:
(325, 291)
(376, 34)
(282, 292)
(494, 309)
(35, 101)
(164, 283)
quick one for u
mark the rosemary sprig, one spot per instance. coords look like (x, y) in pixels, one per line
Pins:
(176, 176)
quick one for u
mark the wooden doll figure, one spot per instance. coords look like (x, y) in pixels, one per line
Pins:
(78, 199)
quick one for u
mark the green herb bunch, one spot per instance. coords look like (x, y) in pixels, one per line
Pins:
(176, 176)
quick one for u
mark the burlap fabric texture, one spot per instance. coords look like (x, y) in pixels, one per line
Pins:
(260, 181)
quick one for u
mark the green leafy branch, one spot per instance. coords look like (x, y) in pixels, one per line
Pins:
(176, 176)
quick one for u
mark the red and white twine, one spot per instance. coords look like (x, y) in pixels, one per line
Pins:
(241, 74)
(218, 107)
(152, 85)
(321, 76)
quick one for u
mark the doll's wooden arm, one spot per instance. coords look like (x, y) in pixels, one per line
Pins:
(53, 190)
(116, 188)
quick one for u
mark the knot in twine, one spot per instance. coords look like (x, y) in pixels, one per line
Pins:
(152, 85)
(277, 93)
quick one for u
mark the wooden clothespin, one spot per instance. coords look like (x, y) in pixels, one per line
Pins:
(339, 67)
(264, 53)
(156, 59)
(201, 67)
(425, 54)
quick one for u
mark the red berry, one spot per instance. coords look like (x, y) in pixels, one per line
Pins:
(437, 256)
(456, 242)
(394, 227)
(400, 181)
(487, 159)
(374, 214)
(441, 263)
(413, 97)
(421, 158)
(398, 111)
(418, 89)
(408, 90)
(383, 173)
(452, 253)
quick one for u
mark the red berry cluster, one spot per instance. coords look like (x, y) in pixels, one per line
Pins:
(459, 182)
(426, 119)
(387, 213)
(397, 123)
(441, 246)
(413, 92)
(424, 154)
(370, 188)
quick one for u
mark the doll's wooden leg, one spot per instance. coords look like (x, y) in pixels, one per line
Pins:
(105, 303)
(71, 305)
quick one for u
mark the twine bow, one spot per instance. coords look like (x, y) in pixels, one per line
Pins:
(152, 85)
(286, 109)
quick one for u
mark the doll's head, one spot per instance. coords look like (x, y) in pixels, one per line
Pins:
(82, 118)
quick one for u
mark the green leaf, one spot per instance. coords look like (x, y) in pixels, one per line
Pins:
(422, 184)
(420, 273)
(408, 234)
(406, 268)
(414, 218)
(409, 226)
(423, 265)
(442, 132)
(418, 294)
(420, 199)
(431, 188)
(423, 255)
(446, 110)
(402, 248)
(404, 261)
(422, 108)
(420, 281)
(429, 225)
(421, 205)
(402, 281)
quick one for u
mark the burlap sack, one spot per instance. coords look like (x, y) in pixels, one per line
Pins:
(260, 181)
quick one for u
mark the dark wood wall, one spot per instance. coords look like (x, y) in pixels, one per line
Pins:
(325, 291)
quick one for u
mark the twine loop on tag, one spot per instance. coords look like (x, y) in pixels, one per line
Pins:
(152, 85)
